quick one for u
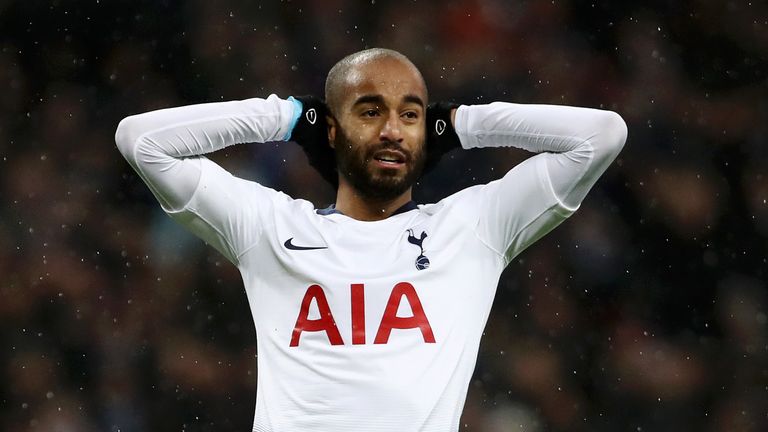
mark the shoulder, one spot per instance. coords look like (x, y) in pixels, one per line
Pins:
(226, 189)
(463, 203)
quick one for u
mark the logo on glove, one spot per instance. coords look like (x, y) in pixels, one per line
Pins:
(311, 116)
(440, 126)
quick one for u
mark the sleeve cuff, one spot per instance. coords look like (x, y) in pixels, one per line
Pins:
(297, 109)
(466, 139)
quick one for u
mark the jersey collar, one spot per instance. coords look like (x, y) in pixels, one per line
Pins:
(331, 209)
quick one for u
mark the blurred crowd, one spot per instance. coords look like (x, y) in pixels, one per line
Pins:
(646, 311)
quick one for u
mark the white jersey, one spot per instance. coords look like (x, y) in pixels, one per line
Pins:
(368, 325)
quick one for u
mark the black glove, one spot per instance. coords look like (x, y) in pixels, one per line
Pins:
(311, 133)
(441, 136)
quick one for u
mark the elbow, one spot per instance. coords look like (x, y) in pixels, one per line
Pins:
(127, 135)
(616, 130)
(613, 132)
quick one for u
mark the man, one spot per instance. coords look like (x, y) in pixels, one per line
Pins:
(369, 313)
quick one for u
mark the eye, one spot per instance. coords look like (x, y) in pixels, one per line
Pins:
(370, 113)
(411, 115)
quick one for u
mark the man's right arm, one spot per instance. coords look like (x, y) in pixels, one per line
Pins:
(161, 145)
(165, 147)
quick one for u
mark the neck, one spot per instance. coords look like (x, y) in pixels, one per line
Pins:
(352, 204)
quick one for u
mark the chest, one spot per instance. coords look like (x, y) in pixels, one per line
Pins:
(410, 248)
(350, 286)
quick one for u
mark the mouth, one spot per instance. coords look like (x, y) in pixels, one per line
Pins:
(390, 158)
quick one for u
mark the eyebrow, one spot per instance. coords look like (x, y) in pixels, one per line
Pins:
(369, 98)
(412, 98)
(378, 99)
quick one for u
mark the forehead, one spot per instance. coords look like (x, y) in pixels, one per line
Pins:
(389, 77)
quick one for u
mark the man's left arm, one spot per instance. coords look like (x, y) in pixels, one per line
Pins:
(574, 147)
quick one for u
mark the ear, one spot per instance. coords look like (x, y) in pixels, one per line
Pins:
(331, 130)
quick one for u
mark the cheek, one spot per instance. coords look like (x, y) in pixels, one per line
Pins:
(365, 133)
(418, 140)
(359, 133)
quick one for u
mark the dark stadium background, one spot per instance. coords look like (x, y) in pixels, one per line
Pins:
(646, 311)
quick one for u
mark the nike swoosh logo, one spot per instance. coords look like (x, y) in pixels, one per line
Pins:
(289, 245)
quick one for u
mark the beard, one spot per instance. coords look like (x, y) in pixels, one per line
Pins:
(354, 164)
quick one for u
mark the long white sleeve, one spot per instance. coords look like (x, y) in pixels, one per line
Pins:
(583, 141)
(165, 148)
(161, 145)
(575, 146)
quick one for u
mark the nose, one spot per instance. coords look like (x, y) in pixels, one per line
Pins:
(391, 131)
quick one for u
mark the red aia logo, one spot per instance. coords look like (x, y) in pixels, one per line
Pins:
(389, 321)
